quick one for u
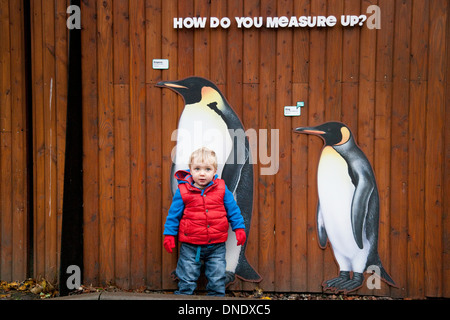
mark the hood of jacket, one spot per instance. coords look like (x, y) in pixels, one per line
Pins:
(185, 176)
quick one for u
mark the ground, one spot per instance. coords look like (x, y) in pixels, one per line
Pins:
(31, 289)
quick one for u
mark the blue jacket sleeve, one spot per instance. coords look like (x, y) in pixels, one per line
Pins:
(174, 216)
(233, 212)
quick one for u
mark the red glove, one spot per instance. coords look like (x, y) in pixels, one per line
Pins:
(240, 236)
(169, 243)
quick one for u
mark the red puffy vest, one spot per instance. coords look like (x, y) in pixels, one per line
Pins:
(204, 219)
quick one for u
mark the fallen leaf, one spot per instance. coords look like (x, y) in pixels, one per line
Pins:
(37, 289)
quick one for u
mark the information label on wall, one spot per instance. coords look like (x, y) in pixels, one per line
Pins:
(294, 111)
(160, 64)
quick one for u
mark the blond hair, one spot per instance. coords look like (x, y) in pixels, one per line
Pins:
(205, 155)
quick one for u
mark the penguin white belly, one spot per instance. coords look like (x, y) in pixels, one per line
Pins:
(199, 126)
(336, 191)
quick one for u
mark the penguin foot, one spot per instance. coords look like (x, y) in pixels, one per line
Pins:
(230, 278)
(334, 283)
(351, 285)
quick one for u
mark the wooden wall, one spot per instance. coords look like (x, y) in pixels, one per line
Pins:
(391, 86)
(49, 111)
(13, 144)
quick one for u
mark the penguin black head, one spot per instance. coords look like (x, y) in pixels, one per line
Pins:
(190, 88)
(333, 133)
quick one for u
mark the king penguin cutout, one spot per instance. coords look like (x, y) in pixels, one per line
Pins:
(208, 120)
(348, 208)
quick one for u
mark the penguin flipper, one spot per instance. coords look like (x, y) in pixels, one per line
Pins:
(323, 237)
(360, 207)
(173, 181)
(231, 173)
(230, 176)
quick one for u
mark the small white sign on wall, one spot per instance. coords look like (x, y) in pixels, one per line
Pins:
(294, 111)
(160, 64)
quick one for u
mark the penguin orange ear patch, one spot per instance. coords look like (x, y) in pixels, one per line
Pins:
(345, 136)
(348, 209)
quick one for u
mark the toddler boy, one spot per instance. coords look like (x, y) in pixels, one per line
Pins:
(201, 211)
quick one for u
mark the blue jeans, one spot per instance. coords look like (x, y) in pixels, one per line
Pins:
(189, 263)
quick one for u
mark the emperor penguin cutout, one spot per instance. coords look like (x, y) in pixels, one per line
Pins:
(209, 121)
(348, 208)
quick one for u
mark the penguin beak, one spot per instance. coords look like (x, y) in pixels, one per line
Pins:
(173, 85)
(313, 131)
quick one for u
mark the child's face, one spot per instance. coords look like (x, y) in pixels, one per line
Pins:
(202, 172)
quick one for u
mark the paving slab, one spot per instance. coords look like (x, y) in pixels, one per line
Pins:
(104, 295)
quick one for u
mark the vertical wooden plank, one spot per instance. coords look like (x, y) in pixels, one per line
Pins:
(48, 20)
(153, 38)
(299, 221)
(267, 98)
(122, 196)
(38, 143)
(434, 148)
(122, 187)
(250, 121)
(6, 207)
(334, 61)
(169, 119)
(154, 188)
(299, 192)
(300, 45)
(350, 69)
(366, 95)
(283, 177)
(218, 41)
(153, 148)
(18, 139)
(416, 169)
(61, 76)
(234, 77)
(90, 142)
(106, 159)
(250, 45)
(6, 248)
(446, 217)
(202, 46)
(382, 143)
(186, 46)
(137, 136)
(193, 49)
(415, 258)
(399, 153)
(5, 79)
(316, 109)
(121, 34)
